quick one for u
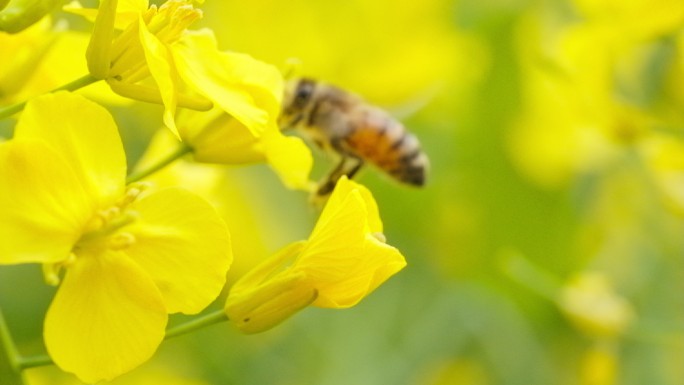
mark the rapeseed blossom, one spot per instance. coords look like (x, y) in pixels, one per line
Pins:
(585, 99)
(125, 258)
(343, 261)
(185, 67)
(590, 302)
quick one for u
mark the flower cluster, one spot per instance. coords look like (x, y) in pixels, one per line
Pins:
(125, 253)
(586, 98)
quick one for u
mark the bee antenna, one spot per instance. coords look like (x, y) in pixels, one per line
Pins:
(292, 66)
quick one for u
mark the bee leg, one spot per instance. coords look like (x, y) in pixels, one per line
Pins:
(354, 168)
(326, 187)
(348, 166)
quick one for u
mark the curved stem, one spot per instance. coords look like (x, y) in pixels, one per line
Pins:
(34, 361)
(178, 330)
(8, 351)
(72, 86)
(179, 152)
(197, 323)
(78, 83)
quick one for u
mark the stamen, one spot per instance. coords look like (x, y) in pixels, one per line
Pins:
(121, 241)
(108, 214)
(109, 227)
(133, 191)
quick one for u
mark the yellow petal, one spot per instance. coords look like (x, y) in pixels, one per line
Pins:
(130, 6)
(248, 89)
(85, 134)
(376, 263)
(343, 259)
(267, 268)
(290, 158)
(99, 50)
(183, 245)
(44, 206)
(219, 138)
(160, 63)
(341, 226)
(127, 11)
(107, 318)
(345, 186)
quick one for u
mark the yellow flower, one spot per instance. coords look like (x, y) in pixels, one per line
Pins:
(187, 67)
(591, 304)
(344, 260)
(216, 137)
(581, 97)
(129, 258)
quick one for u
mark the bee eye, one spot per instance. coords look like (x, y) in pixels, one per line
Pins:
(303, 94)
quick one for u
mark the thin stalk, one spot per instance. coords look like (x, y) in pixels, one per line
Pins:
(7, 344)
(34, 361)
(78, 83)
(72, 86)
(178, 330)
(178, 153)
(197, 323)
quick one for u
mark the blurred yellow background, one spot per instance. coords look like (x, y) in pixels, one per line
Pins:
(548, 244)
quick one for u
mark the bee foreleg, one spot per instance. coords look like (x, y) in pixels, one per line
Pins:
(347, 166)
(354, 168)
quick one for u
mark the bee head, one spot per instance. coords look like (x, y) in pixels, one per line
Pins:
(298, 95)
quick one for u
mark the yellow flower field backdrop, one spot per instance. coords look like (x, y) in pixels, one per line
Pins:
(547, 246)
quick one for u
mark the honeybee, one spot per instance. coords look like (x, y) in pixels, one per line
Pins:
(341, 122)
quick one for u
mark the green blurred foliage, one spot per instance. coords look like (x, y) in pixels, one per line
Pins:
(489, 246)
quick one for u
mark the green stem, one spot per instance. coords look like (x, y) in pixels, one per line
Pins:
(178, 330)
(35, 361)
(72, 86)
(7, 345)
(77, 84)
(197, 323)
(179, 152)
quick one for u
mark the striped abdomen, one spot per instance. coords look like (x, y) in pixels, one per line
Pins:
(384, 142)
